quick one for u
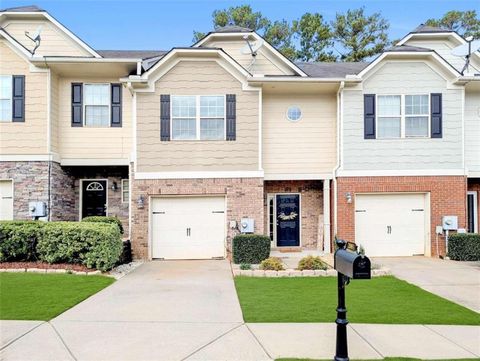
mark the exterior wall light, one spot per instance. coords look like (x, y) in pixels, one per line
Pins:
(140, 202)
(114, 186)
(348, 197)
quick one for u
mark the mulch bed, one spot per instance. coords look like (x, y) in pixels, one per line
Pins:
(44, 265)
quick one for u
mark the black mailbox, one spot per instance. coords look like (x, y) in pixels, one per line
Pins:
(352, 264)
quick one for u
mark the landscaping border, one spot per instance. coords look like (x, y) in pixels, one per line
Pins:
(297, 273)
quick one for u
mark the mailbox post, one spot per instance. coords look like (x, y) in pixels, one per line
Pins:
(349, 264)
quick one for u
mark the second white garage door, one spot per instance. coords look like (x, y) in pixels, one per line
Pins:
(188, 227)
(391, 224)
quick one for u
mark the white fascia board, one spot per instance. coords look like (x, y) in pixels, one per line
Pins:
(80, 59)
(30, 157)
(400, 173)
(280, 56)
(94, 161)
(293, 79)
(298, 176)
(429, 35)
(199, 174)
(49, 17)
(17, 46)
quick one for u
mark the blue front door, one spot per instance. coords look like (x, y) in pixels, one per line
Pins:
(288, 220)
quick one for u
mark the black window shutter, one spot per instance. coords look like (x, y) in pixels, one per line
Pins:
(116, 95)
(77, 104)
(369, 116)
(18, 98)
(231, 117)
(165, 117)
(436, 115)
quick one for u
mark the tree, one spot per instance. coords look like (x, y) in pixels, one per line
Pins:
(466, 23)
(279, 34)
(360, 36)
(315, 36)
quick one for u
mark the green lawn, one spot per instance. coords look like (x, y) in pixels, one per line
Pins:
(379, 300)
(30, 296)
(385, 359)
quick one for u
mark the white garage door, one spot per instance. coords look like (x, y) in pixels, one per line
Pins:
(6, 200)
(188, 227)
(391, 224)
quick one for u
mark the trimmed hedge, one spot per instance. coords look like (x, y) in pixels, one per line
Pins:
(464, 247)
(95, 245)
(18, 240)
(101, 219)
(250, 248)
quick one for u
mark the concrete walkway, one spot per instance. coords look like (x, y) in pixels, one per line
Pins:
(453, 280)
(189, 311)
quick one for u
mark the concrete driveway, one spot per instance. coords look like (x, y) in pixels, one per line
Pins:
(456, 281)
(161, 311)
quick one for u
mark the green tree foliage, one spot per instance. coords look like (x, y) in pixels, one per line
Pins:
(466, 23)
(359, 36)
(315, 37)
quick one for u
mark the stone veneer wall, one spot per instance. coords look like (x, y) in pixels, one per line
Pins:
(244, 199)
(62, 197)
(447, 197)
(311, 211)
(30, 183)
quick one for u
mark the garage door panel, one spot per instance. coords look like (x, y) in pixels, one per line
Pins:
(390, 224)
(188, 227)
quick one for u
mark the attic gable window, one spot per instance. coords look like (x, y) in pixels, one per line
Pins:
(97, 105)
(5, 98)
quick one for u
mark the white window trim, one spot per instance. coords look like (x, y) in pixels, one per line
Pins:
(291, 119)
(402, 117)
(198, 118)
(123, 190)
(10, 99)
(84, 106)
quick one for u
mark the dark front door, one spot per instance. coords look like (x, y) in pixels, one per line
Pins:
(288, 220)
(471, 213)
(94, 198)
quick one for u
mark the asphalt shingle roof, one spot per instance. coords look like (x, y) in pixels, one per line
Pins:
(141, 54)
(422, 28)
(232, 29)
(331, 70)
(409, 48)
(21, 9)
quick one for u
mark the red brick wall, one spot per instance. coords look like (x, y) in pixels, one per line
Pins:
(474, 185)
(447, 197)
(244, 200)
(311, 195)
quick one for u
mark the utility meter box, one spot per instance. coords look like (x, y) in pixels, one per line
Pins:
(450, 223)
(37, 209)
(247, 225)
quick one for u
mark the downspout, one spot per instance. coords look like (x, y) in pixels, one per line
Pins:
(49, 139)
(339, 155)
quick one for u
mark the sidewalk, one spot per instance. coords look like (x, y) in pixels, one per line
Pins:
(55, 340)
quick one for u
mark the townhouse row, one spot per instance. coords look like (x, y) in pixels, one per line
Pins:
(191, 146)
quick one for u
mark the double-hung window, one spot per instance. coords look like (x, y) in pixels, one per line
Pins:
(97, 105)
(200, 117)
(5, 98)
(403, 116)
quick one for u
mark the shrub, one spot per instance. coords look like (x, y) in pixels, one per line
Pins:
(311, 263)
(18, 240)
(464, 247)
(272, 264)
(250, 248)
(126, 256)
(245, 266)
(95, 245)
(101, 219)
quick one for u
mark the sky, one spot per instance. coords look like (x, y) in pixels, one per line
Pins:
(163, 24)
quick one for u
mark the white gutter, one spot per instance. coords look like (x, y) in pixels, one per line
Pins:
(59, 59)
(339, 149)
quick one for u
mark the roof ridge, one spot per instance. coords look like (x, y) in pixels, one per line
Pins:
(25, 8)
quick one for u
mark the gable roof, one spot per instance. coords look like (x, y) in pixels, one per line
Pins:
(409, 48)
(23, 9)
(422, 28)
(141, 54)
(331, 70)
(231, 29)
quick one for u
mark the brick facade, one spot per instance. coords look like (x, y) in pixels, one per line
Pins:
(447, 197)
(244, 200)
(311, 208)
(474, 186)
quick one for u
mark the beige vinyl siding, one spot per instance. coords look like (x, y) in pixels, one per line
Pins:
(197, 78)
(29, 137)
(409, 77)
(262, 65)
(305, 146)
(472, 130)
(54, 41)
(92, 142)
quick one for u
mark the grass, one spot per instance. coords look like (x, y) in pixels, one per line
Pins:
(385, 300)
(30, 296)
(385, 359)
